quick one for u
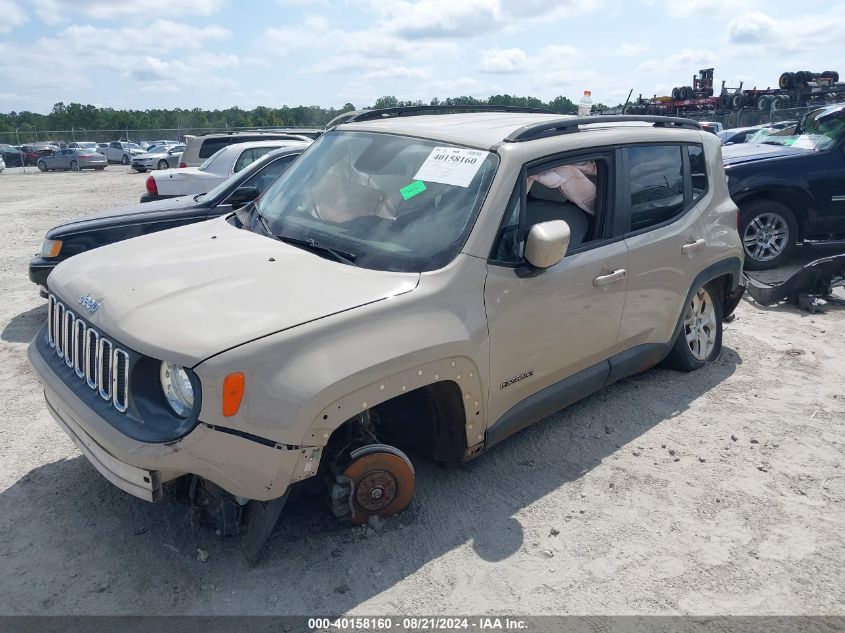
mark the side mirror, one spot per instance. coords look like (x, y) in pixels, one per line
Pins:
(242, 196)
(547, 243)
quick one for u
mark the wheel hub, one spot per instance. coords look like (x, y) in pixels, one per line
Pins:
(382, 481)
(376, 490)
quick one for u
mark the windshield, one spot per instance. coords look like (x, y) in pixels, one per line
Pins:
(821, 130)
(393, 202)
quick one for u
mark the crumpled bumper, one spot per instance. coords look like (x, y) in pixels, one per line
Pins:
(241, 466)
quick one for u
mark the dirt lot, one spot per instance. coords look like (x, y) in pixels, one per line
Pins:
(718, 492)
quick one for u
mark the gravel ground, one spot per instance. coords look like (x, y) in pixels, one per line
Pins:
(717, 492)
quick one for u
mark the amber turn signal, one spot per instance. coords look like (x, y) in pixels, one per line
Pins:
(233, 393)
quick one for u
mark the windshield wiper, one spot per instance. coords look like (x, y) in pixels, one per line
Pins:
(341, 256)
(262, 220)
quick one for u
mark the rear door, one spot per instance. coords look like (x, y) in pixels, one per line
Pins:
(664, 186)
(828, 186)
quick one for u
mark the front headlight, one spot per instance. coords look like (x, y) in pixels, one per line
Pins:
(177, 388)
(51, 248)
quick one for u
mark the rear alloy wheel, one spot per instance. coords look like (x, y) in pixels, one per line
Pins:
(382, 479)
(74, 166)
(699, 340)
(125, 159)
(42, 165)
(768, 230)
(162, 164)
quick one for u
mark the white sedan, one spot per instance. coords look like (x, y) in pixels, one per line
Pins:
(218, 167)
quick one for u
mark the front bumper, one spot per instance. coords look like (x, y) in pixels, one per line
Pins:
(241, 466)
(40, 269)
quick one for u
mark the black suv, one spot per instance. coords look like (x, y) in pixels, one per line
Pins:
(790, 188)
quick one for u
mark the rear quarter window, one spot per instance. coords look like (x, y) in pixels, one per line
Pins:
(212, 145)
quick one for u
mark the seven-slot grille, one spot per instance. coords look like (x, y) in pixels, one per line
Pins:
(93, 358)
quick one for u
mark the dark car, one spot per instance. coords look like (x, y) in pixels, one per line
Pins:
(791, 189)
(92, 231)
(11, 155)
(33, 152)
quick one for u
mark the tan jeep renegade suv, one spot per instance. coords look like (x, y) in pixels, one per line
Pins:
(431, 282)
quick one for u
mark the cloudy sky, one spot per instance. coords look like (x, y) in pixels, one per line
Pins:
(221, 53)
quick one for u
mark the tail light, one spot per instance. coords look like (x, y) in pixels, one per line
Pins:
(152, 187)
(182, 165)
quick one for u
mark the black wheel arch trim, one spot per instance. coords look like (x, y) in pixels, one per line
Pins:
(799, 199)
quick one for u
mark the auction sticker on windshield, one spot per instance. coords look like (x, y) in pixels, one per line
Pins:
(451, 166)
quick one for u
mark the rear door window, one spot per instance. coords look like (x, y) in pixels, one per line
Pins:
(655, 181)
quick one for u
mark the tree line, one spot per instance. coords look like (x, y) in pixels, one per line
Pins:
(85, 120)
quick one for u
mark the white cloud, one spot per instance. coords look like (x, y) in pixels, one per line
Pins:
(799, 33)
(683, 60)
(55, 11)
(463, 19)
(706, 8)
(161, 36)
(12, 16)
(751, 28)
(503, 60)
(139, 59)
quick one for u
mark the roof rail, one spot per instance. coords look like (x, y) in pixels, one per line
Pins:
(383, 113)
(542, 129)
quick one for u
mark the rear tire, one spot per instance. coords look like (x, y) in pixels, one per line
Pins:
(699, 339)
(162, 164)
(125, 159)
(74, 166)
(768, 230)
(42, 166)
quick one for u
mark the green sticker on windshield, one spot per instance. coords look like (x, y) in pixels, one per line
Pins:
(414, 189)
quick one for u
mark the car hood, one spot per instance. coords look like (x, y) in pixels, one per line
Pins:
(113, 217)
(750, 152)
(189, 293)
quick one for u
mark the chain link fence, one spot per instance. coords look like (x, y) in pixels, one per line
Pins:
(30, 136)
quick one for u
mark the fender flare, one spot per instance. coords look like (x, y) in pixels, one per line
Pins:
(460, 370)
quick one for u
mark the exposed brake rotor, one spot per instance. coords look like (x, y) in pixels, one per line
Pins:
(382, 480)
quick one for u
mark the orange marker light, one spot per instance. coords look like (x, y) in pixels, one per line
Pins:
(55, 248)
(233, 393)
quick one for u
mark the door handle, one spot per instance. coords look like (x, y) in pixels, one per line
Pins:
(616, 275)
(692, 247)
